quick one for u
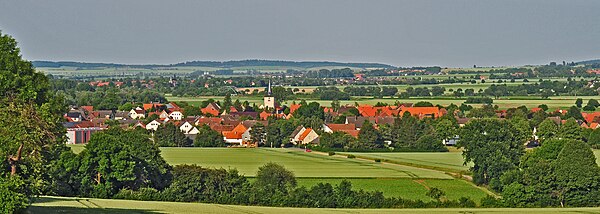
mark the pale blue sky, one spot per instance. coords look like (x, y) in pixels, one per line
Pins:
(397, 32)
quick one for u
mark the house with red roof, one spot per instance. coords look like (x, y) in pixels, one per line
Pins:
(347, 128)
(422, 112)
(304, 136)
(591, 117)
(211, 109)
(294, 107)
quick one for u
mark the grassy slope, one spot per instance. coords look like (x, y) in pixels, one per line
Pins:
(452, 160)
(407, 188)
(301, 163)
(77, 205)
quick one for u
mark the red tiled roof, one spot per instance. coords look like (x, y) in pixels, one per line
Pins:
(87, 108)
(305, 133)
(536, 109)
(236, 133)
(294, 107)
(591, 117)
(148, 106)
(353, 133)
(341, 127)
(423, 111)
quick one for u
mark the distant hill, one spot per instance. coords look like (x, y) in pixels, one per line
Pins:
(216, 64)
(589, 62)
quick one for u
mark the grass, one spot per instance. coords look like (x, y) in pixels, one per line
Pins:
(81, 205)
(303, 164)
(597, 153)
(414, 189)
(553, 103)
(450, 160)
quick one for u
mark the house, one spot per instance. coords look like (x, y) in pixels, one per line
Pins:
(294, 107)
(234, 137)
(591, 117)
(153, 125)
(75, 116)
(240, 135)
(304, 136)
(422, 112)
(347, 128)
(207, 121)
(121, 115)
(150, 106)
(137, 113)
(108, 114)
(80, 132)
(176, 115)
(212, 109)
(188, 128)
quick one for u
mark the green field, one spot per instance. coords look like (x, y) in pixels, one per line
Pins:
(562, 102)
(414, 189)
(303, 164)
(450, 160)
(82, 205)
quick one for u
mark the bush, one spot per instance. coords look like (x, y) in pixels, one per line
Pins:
(378, 160)
(331, 153)
(11, 200)
(351, 156)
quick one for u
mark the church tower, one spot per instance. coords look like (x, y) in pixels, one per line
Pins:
(269, 100)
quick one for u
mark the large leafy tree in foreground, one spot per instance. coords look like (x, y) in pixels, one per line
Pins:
(494, 146)
(117, 159)
(31, 133)
(562, 172)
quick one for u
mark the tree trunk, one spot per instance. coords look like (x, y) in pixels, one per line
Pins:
(13, 160)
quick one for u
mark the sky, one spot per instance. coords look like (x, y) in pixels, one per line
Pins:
(448, 33)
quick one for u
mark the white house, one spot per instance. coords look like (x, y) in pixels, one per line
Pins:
(176, 115)
(153, 125)
(187, 127)
(137, 113)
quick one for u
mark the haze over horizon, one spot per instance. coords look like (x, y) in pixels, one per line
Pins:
(402, 33)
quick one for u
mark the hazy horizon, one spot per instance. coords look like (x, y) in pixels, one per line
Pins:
(401, 33)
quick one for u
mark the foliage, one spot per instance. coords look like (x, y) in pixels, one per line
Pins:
(207, 137)
(12, 200)
(273, 177)
(369, 137)
(169, 135)
(31, 131)
(570, 130)
(193, 183)
(562, 172)
(117, 159)
(547, 129)
(494, 146)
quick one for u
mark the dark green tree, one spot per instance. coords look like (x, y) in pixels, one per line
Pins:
(117, 159)
(207, 137)
(493, 146)
(168, 135)
(570, 130)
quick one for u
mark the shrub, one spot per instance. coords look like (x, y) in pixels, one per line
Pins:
(351, 156)
(11, 200)
(331, 153)
(378, 160)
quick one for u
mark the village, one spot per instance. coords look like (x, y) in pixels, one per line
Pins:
(235, 124)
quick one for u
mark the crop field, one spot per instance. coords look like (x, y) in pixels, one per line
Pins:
(449, 160)
(303, 164)
(414, 189)
(48, 204)
(553, 103)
